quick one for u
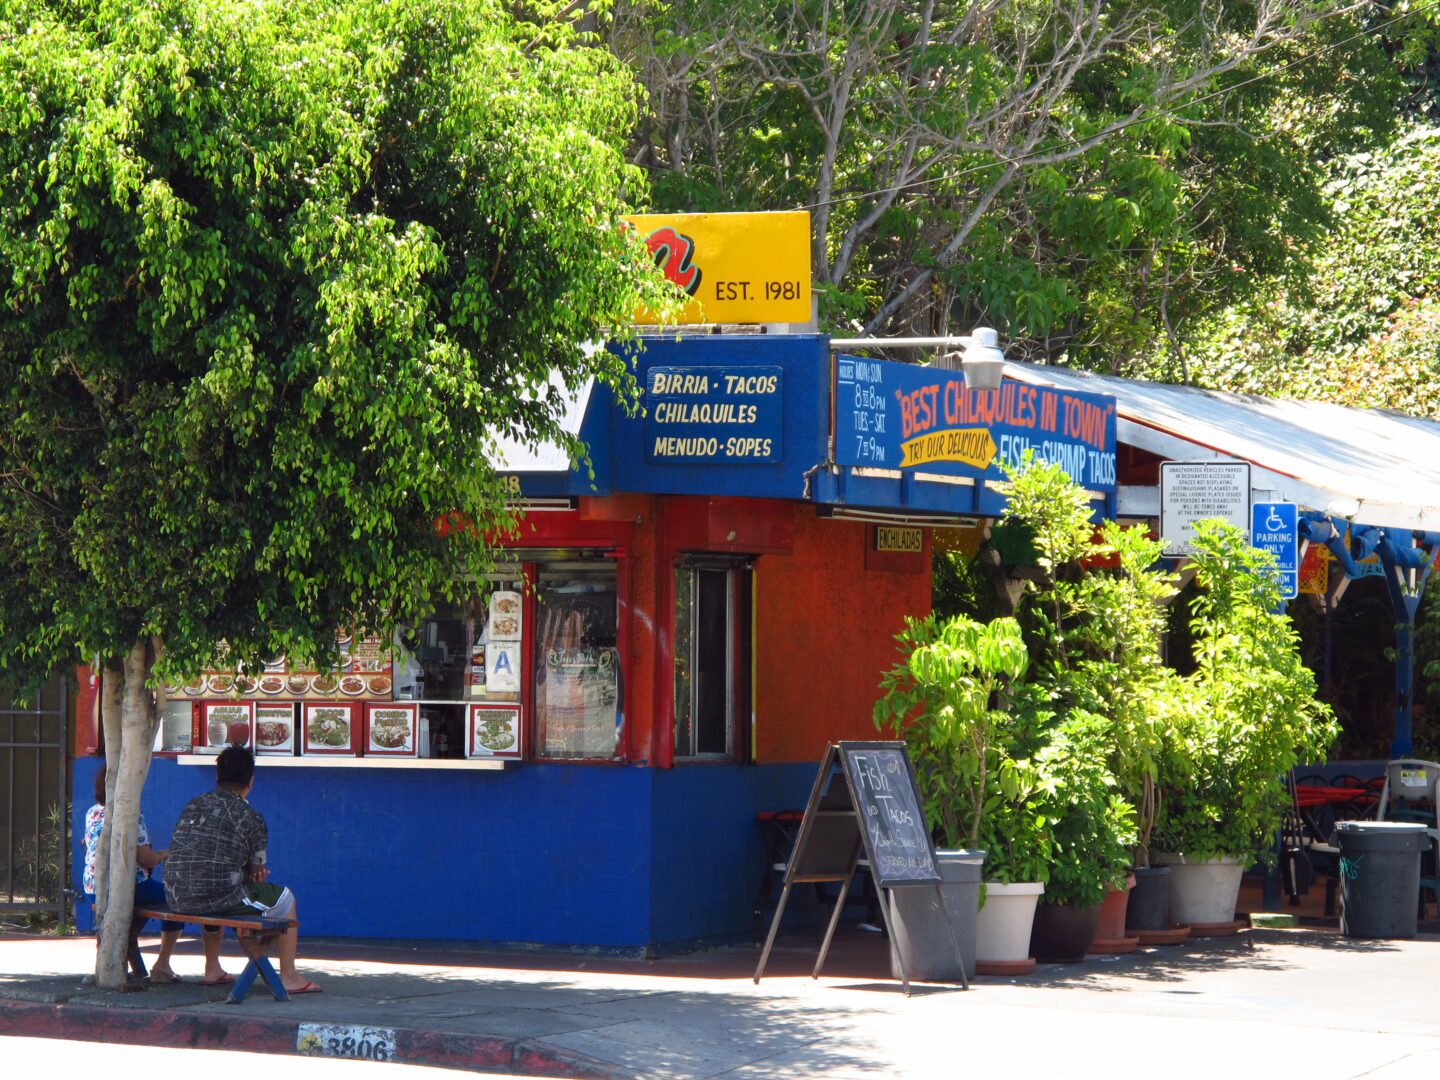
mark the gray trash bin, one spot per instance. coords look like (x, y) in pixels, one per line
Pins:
(1380, 877)
(919, 928)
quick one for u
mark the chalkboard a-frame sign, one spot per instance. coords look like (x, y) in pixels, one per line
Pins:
(865, 800)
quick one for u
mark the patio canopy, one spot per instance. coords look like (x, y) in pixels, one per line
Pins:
(1365, 465)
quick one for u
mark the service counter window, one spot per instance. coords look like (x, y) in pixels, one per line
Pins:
(466, 654)
(712, 659)
(579, 706)
(527, 668)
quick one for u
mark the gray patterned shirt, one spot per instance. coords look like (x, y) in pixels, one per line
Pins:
(218, 838)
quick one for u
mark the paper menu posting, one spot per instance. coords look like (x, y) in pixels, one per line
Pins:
(506, 614)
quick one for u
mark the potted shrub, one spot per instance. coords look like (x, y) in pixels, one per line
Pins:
(1255, 718)
(1092, 831)
(1125, 603)
(1094, 623)
(1149, 762)
(943, 701)
(1016, 835)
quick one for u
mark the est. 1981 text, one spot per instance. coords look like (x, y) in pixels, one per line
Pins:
(750, 290)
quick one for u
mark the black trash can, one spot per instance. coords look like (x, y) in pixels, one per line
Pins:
(1380, 877)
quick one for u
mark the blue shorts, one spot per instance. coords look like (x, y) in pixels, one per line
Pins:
(148, 893)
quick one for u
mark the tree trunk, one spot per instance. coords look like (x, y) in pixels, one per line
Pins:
(128, 761)
(108, 702)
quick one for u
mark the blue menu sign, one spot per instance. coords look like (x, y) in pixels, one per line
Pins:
(904, 416)
(714, 415)
(1275, 527)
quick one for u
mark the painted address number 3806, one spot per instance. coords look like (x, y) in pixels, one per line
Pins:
(346, 1041)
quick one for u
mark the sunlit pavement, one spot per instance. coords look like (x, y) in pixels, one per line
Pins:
(1268, 1003)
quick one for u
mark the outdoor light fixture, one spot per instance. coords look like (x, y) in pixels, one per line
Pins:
(982, 362)
(979, 357)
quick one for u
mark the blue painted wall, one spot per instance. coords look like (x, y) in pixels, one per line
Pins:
(564, 856)
(709, 854)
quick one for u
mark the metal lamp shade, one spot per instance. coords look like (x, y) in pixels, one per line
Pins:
(983, 363)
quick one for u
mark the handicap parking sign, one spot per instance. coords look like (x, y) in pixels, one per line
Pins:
(1275, 527)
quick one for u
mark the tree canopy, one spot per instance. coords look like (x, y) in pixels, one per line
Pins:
(1357, 320)
(275, 279)
(1088, 177)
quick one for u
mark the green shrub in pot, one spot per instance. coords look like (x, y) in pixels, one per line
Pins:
(1094, 618)
(1255, 715)
(1123, 670)
(1092, 825)
(1015, 828)
(943, 700)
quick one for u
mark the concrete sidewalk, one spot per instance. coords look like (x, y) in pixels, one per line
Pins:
(1282, 1003)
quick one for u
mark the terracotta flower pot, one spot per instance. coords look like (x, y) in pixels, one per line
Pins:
(1112, 912)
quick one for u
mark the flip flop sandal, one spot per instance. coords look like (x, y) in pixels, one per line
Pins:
(224, 980)
(308, 988)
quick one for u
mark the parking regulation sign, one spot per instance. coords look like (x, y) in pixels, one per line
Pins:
(1275, 527)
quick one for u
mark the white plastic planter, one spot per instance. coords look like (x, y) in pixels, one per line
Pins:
(1203, 890)
(1002, 929)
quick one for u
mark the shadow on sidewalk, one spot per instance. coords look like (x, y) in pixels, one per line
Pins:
(672, 1027)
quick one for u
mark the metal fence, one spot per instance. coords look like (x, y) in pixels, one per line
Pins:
(35, 805)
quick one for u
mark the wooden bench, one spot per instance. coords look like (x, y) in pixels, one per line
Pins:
(255, 936)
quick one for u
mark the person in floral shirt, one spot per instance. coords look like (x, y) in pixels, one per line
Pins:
(148, 891)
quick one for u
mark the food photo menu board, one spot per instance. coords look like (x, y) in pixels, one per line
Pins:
(494, 731)
(392, 730)
(274, 729)
(366, 673)
(222, 723)
(331, 728)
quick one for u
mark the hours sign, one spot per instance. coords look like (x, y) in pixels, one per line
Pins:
(905, 416)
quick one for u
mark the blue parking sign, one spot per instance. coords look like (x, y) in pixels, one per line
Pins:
(1275, 527)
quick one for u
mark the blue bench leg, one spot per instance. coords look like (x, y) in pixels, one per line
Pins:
(272, 980)
(242, 984)
(261, 966)
(136, 961)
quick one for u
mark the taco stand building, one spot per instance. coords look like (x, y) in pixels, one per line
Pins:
(677, 630)
(667, 647)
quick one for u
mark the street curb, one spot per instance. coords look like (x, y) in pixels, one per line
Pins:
(268, 1035)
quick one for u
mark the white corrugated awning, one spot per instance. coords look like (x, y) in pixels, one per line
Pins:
(1368, 465)
(513, 456)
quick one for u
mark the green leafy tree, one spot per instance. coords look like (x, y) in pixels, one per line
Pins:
(1088, 177)
(1356, 320)
(276, 277)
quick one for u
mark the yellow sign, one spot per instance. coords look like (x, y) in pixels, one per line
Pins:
(898, 538)
(737, 268)
(973, 446)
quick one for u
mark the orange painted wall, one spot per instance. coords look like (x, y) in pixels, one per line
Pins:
(825, 629)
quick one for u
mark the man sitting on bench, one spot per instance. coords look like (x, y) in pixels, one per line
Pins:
(217, 863)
